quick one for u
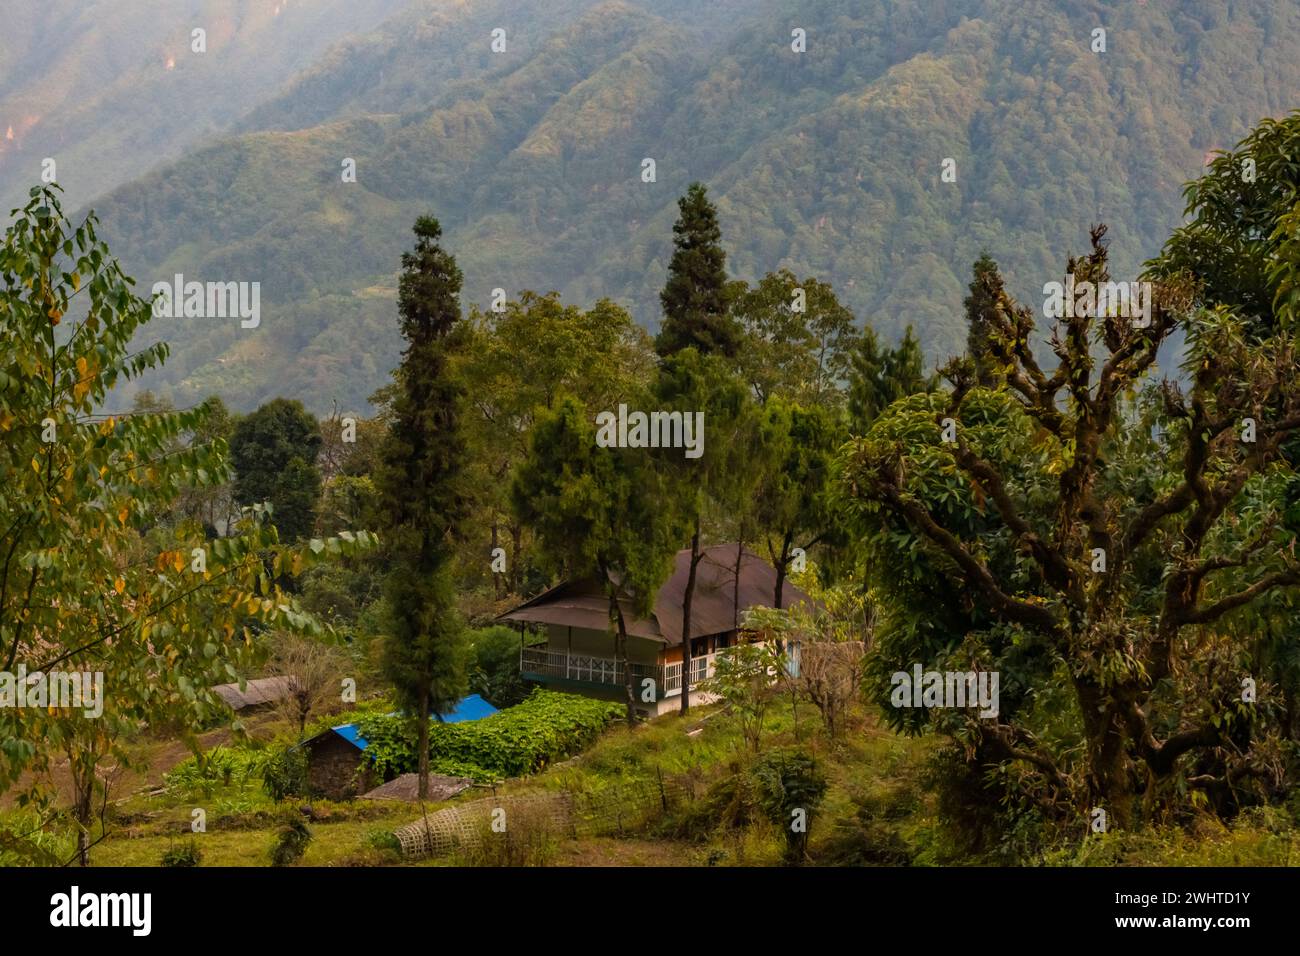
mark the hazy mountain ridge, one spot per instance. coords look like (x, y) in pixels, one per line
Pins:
(111, 89)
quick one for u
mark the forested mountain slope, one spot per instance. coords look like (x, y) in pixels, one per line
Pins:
(827, 161)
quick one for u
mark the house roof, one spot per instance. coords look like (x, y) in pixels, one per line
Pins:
(260, 690)
(406, 787)
(719, 594)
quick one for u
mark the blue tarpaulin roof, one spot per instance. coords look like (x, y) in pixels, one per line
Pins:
(472, 707)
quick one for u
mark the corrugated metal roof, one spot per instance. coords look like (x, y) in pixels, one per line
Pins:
(350, 733)
(720, 595)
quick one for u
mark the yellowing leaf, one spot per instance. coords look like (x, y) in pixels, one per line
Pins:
(178, 561)
(119, 585)
(123, 514)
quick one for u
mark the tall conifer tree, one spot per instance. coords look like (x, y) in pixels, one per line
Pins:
(694, 299)
(422, 498)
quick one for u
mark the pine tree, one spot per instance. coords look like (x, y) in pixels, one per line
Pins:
(879, 377)
(904, 369)
(422, 497)
(694, 299)
(866, 381)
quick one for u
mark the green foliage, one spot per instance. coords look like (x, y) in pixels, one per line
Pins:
(184, 854)
(878, 377)
(385, 841)
(792, 503)
(273, 450)
(201, 775)
(978, 304)
(813, 161)
(604, 513)
(520, 740)
(798, 338)
(291, 840)
(284, 773)
(743, 678)
(101, 570)
(495, 673)
(1236, 214)
(1112, 545)
(516, 362)
(787, 787)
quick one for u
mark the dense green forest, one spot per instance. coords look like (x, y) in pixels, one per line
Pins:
(828, 162)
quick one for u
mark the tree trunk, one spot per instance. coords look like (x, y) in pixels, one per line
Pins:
(498, 580)
(686, 617)
(516, 547)
(1108, 780)
(620, 651)
(781, 566)
(422, 760)
(81, 766)
(735, 593)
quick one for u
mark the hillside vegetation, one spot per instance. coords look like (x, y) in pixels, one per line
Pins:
(827, 162)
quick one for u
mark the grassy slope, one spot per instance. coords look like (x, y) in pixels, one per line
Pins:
(875, 812)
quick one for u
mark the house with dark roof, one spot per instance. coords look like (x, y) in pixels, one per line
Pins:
(578, 653)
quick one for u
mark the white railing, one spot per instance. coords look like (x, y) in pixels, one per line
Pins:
(702, 668)
(586, 668)
(594, 669)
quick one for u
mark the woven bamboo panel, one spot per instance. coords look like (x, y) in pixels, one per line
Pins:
(617, 809)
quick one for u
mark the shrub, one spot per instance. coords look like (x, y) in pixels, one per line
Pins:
(546, 727)
(220, 767)
(291, 841)
(284, 773)
(494, 674)
(378, 838)
(787, 787)
(186, 854)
